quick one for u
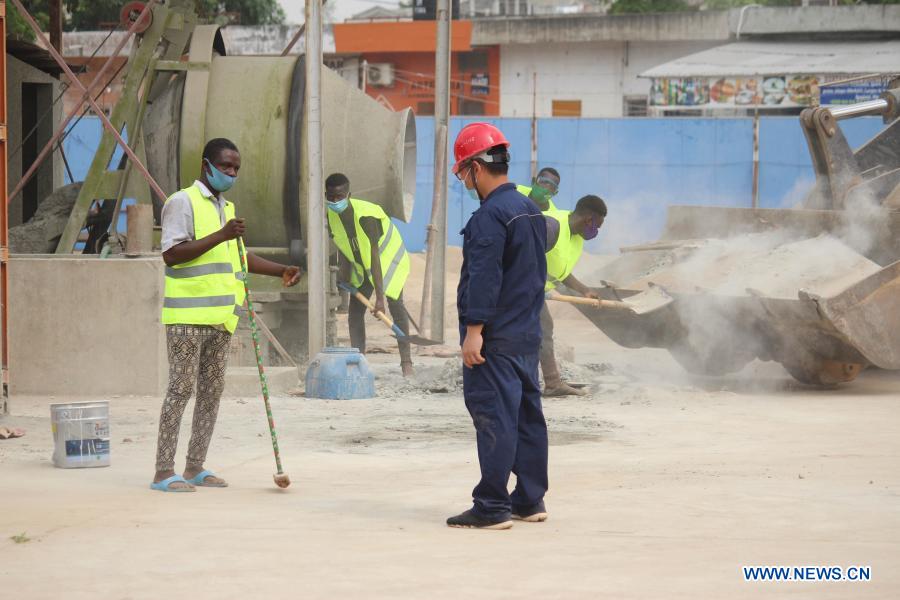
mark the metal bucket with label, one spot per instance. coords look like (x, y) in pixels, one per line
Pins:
(80, 434)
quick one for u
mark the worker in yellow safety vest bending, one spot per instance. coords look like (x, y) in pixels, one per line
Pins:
(373, 258)
(566, 232)
(542, 189)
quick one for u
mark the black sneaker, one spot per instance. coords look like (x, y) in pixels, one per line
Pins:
(472, 521)
(534, 514)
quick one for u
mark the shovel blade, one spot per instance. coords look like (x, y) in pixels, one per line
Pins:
(648, 301)
(417, 340)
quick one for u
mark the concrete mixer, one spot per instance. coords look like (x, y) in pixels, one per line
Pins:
(816, 288)
(181, 89)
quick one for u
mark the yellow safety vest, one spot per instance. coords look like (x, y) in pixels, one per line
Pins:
(393, 254)
(208, 290)
(525, 190)
(564, 255)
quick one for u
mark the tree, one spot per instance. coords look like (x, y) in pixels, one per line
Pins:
(88, 15)
(91, 14)
(247, 12)
(17, 28)
(622, 7)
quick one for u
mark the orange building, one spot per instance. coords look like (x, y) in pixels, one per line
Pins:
(400, 65)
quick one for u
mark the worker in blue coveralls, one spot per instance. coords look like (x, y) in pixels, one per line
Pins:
(500, 295)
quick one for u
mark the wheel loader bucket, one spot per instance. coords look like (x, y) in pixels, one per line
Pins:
(822, 310)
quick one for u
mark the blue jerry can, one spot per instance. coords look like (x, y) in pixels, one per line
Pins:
(339, 374)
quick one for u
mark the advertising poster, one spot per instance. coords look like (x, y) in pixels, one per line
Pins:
(853, 91)
(715, 92)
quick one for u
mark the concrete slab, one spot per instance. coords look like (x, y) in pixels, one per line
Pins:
(86, 326)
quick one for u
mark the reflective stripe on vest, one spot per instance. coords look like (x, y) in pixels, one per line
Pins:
(564, 255)
(209, 289)
(391, 251)
(525, 190)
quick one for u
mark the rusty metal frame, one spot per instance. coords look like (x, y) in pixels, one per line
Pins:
(103, 118)
(100, 78)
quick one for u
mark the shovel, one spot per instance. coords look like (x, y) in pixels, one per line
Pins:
(398, 333)
(638, 304)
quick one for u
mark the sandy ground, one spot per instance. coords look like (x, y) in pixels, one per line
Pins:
(662, 486)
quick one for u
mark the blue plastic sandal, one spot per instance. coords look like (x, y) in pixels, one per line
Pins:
(198, 480)
(164, 485)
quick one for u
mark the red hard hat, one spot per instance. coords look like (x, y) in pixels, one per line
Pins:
(474, 139)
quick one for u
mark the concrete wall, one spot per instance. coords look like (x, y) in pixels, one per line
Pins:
(597, 73)
(86, 326)
(857, 20)
(705, 25)
(50, 175)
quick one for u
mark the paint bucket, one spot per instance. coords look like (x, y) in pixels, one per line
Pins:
(80, 434)
(339, 374)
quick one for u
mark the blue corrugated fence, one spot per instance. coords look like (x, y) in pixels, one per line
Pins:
(639, 166)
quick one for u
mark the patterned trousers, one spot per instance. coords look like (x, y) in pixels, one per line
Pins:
(198, 355)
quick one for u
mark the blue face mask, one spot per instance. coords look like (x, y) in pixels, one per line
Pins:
(473, 192)
(222, 182)
(339, 206)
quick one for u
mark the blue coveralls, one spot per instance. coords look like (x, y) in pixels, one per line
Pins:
(502, 286)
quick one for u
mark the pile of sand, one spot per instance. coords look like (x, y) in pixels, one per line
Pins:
(41, 233)
(765, 263)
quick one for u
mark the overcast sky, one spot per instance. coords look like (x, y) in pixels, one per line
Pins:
(341, 8)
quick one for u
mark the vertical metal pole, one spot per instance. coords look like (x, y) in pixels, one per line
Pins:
(317, 255)
(4, 224)
(365, 75)
(440, 158)
(55, 26)
(755, 194)
(534, 166)
(441, 119)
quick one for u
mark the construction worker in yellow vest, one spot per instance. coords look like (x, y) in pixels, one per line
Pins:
(372, 258)
(566, 232)
(204, 291)
(542, 189)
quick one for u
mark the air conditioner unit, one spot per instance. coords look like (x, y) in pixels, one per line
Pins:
(381, 74)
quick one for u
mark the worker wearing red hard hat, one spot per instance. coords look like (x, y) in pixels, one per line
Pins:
(499, 299)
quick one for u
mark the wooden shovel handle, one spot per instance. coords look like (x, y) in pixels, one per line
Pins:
(380, 315)
(589, 301)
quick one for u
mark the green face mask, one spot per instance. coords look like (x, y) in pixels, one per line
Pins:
(541, 194)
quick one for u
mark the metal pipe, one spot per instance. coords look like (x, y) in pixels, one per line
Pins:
(534, 126)
(441, 119)
(872, 107)
(740, 24)
(317, 252)
(85, 95)
(4, 229)
(754, 200)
